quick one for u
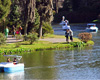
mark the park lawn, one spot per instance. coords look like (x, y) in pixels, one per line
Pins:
(38, 45)
(59, 36)
(53, 36)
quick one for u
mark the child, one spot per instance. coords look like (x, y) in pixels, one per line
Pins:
(68, 33)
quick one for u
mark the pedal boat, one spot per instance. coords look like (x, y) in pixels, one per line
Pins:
(10, 66)
(91, 27)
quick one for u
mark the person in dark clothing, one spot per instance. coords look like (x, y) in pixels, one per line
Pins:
(69, 33)
(15, 61)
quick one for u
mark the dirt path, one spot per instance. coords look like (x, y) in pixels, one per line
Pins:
(11, 39)
(54, 40)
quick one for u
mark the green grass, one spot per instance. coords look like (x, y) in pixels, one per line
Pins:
(41, 45)
(53, 36)
(25, 46)
(59, 36)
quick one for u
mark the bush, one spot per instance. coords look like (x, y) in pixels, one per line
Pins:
(2, 39)
(47, 28)
(17, 44)
(31, 37)
(85, 36)
(19, 37)
(78, 44)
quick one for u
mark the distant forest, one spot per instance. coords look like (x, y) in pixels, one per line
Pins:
(78, 11)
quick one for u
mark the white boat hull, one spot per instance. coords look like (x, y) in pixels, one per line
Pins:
(10, 67)
(92, 29)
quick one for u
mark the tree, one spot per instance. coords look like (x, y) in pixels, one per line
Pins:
(56, 5)
(28, 12)
(14, 16)
(4, 9)
(45, 11)
(67, 5)
(75, 5)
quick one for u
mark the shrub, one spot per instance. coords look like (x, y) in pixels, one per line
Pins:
(17, 44)
(19, 37)
(85, 36)
(32, 37)
(78, 44)
(2, 39)
(47, 28)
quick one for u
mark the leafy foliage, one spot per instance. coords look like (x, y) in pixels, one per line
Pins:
(2, 39)
(4, 8)
(85, 36)
(79, 11)
(67, 5)
(47, 28)
(14, 16)
(32, 37)
(78, 44)
(37, 18)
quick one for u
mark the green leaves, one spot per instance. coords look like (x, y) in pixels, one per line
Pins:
(2, 39)
(32, 37)
(4, 8)
(78, 44)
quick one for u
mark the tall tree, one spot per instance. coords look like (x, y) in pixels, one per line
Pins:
(28, 12)
(56, 3)
(14, 16)
(45, 11)
(75, 5)
(4, 9)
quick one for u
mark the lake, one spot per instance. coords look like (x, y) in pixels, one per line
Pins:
(61, 64)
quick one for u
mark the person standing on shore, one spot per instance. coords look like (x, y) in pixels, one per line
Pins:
(69, 33)
(64, 24)
(20, 28)
(6, 31)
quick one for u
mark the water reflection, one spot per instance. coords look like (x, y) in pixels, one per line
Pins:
(12, 76)
(40, 65)
(59, 64)
(78, 65)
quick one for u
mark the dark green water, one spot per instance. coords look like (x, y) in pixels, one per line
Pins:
(61, 64)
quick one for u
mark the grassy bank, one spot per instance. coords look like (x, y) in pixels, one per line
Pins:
(41, 45)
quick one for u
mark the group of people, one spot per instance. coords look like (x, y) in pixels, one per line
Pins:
(68, 31)
(14, 31)
(14, 62)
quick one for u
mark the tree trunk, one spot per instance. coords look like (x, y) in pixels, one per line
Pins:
(28, 12)
(40, 28)
(56, 6)
(25, 28)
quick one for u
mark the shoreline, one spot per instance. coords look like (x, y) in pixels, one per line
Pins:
(42, 44)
